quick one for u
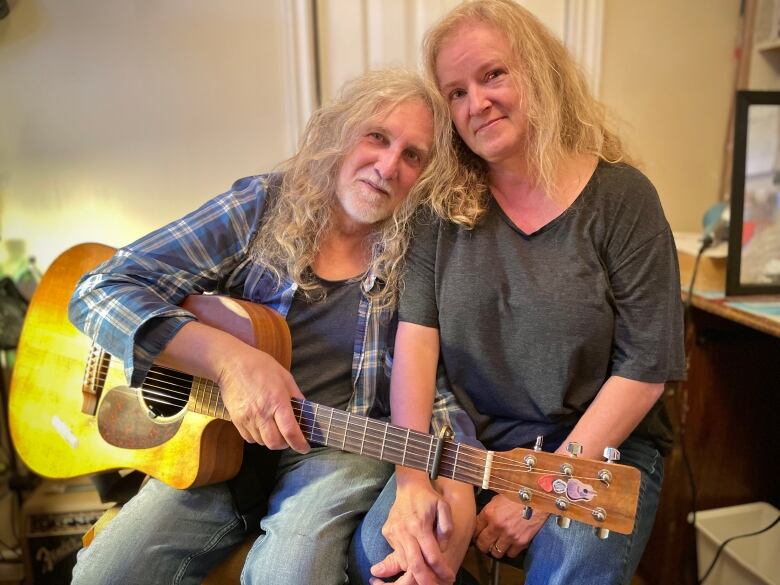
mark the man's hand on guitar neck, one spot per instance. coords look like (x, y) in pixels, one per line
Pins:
(255, 388)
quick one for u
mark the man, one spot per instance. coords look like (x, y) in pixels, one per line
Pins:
(320, 242)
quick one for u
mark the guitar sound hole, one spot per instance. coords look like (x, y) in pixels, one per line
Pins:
(164, 394)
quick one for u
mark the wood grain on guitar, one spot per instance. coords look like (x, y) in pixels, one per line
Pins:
(177, 429)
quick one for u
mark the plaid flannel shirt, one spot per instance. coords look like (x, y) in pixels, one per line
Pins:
(129, 304)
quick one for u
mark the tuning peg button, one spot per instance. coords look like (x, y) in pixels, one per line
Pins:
(527, 512)
(538, 444)
(563, 521)
(574, 449)
(602, 533)
(611, 454)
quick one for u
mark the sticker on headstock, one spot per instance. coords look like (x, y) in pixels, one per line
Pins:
(577, 490)
(574, 489)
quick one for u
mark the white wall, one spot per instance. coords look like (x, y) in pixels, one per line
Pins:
(116, 117)
(668, 76)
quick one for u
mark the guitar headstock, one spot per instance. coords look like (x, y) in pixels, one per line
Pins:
(600, 493)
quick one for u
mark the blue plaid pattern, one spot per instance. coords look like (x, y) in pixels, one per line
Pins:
(208, 251)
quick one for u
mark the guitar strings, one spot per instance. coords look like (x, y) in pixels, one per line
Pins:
(500, 463)
(162, 384)
(169, 378)
(420, 455)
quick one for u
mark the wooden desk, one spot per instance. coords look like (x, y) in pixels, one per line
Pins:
(729, 409)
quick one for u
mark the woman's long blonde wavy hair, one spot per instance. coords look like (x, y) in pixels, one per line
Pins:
(300, 214)
(564, 119)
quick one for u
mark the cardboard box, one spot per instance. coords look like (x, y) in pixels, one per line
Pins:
(753, 560)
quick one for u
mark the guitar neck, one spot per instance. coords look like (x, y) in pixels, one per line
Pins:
(353, 433)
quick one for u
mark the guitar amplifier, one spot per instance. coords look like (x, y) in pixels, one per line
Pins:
(54, 518)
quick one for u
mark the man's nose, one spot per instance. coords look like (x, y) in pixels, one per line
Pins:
(387, 164)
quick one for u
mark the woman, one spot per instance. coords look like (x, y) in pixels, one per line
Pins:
(549, 294)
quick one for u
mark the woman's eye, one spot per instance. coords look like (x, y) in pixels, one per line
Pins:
(376, 136)
(457, 93)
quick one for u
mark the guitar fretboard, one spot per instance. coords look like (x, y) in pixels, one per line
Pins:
(353, 433)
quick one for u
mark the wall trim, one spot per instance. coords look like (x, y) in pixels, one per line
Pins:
(300, 83)
(583, 36)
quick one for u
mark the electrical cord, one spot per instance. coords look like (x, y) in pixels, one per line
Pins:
(728, 540)
(706, 243)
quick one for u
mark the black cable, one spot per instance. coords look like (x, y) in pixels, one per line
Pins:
(707, 241)
(728, 540)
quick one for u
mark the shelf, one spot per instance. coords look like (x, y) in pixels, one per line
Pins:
(767, 46)
(724, 308)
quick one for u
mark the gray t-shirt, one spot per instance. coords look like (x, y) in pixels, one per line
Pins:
(532, 325)
(323, 342)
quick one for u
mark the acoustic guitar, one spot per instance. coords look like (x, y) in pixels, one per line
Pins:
(176, 428)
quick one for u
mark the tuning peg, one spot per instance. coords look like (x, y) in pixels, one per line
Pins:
(602, 533)
(599, 514)
(538, 444)
(574, 449)
(611, 454)
(527, 512)
(563, 521)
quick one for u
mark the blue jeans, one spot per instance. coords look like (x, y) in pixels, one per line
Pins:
(169, 536)
(556, 556)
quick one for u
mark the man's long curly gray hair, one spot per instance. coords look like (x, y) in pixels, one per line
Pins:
(301, 214)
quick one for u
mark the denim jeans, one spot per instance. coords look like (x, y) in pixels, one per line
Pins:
(556, 556)
(169, 536)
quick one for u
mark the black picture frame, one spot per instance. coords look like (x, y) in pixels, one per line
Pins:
(747, 270)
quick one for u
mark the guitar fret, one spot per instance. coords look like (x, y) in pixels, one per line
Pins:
(305, 419)
(384, 437)
(194, 397)
(224, 414)
(346, 430)
(455, 465)
(315, 423)
(327, 429)
(430, 454)
(363, 439)
(406, 445)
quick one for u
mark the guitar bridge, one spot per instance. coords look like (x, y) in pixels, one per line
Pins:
(94, 379)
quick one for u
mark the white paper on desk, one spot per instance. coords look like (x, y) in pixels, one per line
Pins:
(690, 242)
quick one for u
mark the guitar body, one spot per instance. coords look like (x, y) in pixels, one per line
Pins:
(60, 430)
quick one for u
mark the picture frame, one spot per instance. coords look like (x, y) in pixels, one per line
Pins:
(753, 266)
